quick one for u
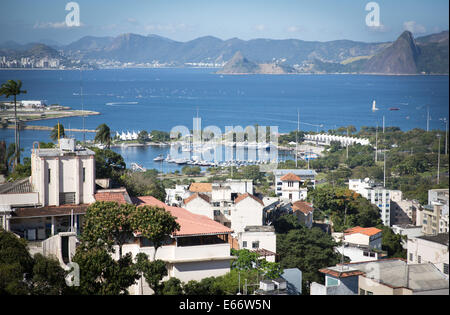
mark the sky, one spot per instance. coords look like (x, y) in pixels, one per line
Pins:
(26, 21)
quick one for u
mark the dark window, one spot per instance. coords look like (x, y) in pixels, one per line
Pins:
(362, 292)
(49, 175)
(67, 198)
(244, 244)
(446, 269)
(255, 245)
(84, 174)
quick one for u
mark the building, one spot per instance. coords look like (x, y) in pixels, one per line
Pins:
(291, 188)
(304, 212)
(382, 277)
(307, 178)
(439, 197)
(376, 194)
(369, 237)
(429, 249)
(261, 239)
(359, 253)
(199, 250)
(433, 219)
(175, 196)
(324, 139)
(55, 198)
(33, 104)
(200, 204)
(403, 211)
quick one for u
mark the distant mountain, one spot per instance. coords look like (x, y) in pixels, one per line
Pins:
(399, 58)
(29, 50)
(241, 65)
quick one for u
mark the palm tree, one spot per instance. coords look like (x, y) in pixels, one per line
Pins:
(14, 88)
(55, 133)
(103, 135)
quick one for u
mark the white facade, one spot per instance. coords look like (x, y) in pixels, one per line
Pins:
(358, 254)
(63, 176)
(432, 249)
(376, 195)
(247, 212)
(371, 241)
(293, 192)
(199, 206)
(259, 237)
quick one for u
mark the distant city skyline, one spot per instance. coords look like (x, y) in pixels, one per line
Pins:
(26, 21)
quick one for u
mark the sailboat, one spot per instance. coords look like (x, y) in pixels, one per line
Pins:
(374, 106)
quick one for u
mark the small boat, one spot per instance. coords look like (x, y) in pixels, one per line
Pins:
(374, 106)
(394, 108)
(159, 158)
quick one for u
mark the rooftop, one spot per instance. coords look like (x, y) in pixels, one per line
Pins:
(20, 186)
(195, 196)
(59, 152)
(190, 224)
(260, 228)
(366, 231)
(290, 178)
(440, 238)
(200, 187)
(49, 211)
(114, 195)
(302, 206)
(245, 196)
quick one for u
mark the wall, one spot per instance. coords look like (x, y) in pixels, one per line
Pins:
(247, 212)
(432, 252)
(267, 240)
(201, 207)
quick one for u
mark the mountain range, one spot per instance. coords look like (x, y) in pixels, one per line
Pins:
(428, 54)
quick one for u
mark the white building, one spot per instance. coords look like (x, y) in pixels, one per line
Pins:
(377, 195)
(403, 211)
(34, 104)
(368, 237)
(55, 197)
(325, 139)
(291, 188)
(304, 212)
(260, 239)
(307, 177)
(429, 249)
(408, 230)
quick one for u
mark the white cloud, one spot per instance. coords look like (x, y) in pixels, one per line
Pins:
(414, 28)
(54, 25)
(295, 29)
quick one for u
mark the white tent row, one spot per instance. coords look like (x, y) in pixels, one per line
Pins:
(128, 135)
(327, 139)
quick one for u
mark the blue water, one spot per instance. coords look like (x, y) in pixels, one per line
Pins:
(160, 99)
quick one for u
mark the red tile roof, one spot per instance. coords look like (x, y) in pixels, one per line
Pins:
(302, 206)
(114, 195)
(200, 187)
(341, 274)
(49, 211)
(290, 178)
(190, 224)
(366, 231)
(197, 195)
(247, 195)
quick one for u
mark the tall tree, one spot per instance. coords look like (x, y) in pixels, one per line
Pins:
(155, 224)
(103, 135)
(13, 88)
(57, 132)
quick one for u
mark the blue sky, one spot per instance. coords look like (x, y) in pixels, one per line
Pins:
(183, 20)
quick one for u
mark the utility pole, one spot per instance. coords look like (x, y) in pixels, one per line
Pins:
(82, 105)
(446, 132)
(296, 138)
(376, 145)
(439, 157)
(384, 173)
(383, 124)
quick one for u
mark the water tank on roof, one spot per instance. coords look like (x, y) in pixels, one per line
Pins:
(67, 144)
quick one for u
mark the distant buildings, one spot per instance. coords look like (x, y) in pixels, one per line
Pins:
(30, 62)
(128, 136)
(382, 277)
(325, 139)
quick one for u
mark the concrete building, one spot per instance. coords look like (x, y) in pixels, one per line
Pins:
(382, 277)
(359, 253)
(369, 237)
(429, 249)
(55, 197)
(377, 195)
(307, 177)
(175, 196)
(291, 188)
(261, 239)
(408, 230)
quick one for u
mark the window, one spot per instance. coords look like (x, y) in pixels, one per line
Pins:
(216, 204)
(332, 282)
(446, 269)
(226, 212)
(290, 184)
(49, 172)
(244, 244)
(255, 245)
(362, 292)
(419, 259)
(411, 257)
(84, 174)
(369, 293)
(216, 213)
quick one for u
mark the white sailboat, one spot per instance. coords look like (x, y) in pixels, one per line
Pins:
(374, 106)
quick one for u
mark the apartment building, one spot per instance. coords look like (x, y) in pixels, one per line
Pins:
(296, 188)
(376, 194)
